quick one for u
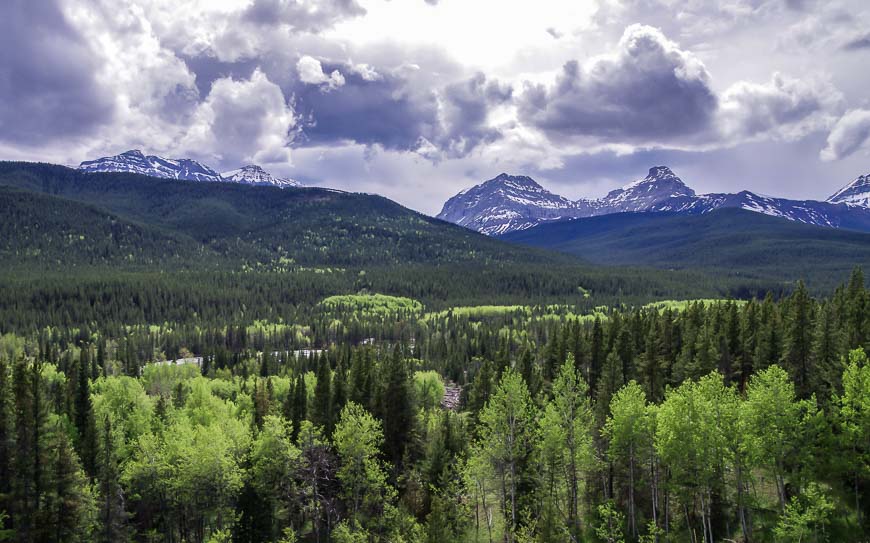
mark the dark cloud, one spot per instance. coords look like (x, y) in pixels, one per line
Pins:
(48, 88)
(648, 91)
(857, 44)
(302, 15)
(209, 69)
(467, 106)
(386, 110)
(372, 107)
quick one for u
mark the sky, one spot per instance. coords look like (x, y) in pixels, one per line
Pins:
(418, 99)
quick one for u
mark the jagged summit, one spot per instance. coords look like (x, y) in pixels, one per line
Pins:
(506, 203)
(856, 193)
(515, 202)
(135, 161)
(252, 174)
(660, 184)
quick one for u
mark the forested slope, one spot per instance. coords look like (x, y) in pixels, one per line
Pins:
(728, 242)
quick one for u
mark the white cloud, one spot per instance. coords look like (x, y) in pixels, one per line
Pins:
(849, 135)
(242, 121)
(784, 107)
(311, 72)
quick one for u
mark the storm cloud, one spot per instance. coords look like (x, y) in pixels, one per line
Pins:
(421, 92)
(649, 90)
(48, 84)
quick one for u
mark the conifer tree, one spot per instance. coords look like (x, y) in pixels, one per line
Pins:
(798, 341)
(86, 445)
(396, 409)
(322, 407)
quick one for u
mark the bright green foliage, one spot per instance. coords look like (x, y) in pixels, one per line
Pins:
(357, 438)
(507, 436)
(854, 424)
(805, 517)
(566, 449)
(772, 420)
(610, 523)
(428, 389)
(630, 429)
(274, 460)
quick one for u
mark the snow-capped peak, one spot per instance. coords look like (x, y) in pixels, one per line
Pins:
(855, 193)
(507, 202)
(660, 184)
(255, 175)
(135, 161)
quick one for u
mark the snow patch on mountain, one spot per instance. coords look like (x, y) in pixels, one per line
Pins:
(255, 175)
(509, 203)
(659, 185)
(856, 193)
(506, 203)
(134, 161)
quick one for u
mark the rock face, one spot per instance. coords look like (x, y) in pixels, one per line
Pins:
(507, 203)
(255, 175)
(659, 185)
(510, 203)
(856, 193)
(135, 161)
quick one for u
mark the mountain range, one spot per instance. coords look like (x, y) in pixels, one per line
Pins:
(184, 169)
(509, 203)
(66, 219)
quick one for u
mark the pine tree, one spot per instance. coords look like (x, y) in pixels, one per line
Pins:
(597, 354)
(28, 481)
(827, 353)
(855, 311)
(6, 435)
(84, 419)
(322, 408)
(481, 388)
(68, 509)
(528, 371)
(396, 410)
(296, 405)
(610, 382)
(798, 341)
(339, 388)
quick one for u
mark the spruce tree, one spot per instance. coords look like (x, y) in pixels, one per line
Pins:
(84, 419)
(322, 408)
(798, 341)
(396, 409)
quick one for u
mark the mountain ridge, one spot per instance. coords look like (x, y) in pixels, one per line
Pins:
(182, 169)
(660, 191)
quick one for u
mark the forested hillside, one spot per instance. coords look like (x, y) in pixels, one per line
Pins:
(726, 242)
(239, 253)
(700, 421)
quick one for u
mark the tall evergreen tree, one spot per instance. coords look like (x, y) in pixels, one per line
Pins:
(86, 445)
(798, 341)
(322, 408)
(396, 407)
